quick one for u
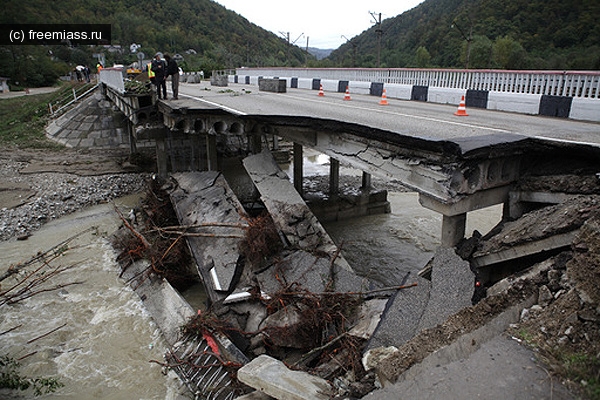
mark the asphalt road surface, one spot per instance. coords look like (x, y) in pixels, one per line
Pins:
(412, 118)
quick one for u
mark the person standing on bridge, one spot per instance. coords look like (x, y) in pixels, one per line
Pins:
(173, 72)
(159, 68)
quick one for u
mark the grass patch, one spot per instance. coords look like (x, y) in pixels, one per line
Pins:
(584, 370)
(24, 119)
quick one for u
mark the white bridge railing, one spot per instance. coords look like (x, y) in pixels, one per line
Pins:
(584, 84)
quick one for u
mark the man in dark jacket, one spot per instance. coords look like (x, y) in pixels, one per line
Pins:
(159, 68)
(173, 72)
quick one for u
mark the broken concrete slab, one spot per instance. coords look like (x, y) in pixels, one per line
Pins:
(168, 308)
(452, 288)
(272, 377)
(369, 316)
(429, 303)
(308, 272)
(290, 321)
(288, 209)
(204, 201)
(255, 396)
(551, 228)
(404, 309)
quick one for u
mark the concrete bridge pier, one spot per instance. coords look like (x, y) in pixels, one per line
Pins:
(334, 177)
(366, 181)
(454, 218)
(298, 168)
(453, 229)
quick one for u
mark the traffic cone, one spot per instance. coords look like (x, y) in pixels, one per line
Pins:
(462, 111)
(347, 96)
(383, 101)
(321, 93)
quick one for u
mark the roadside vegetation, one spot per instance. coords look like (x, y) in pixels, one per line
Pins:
(24, 118)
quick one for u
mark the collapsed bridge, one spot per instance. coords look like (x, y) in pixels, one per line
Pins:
(463, 169)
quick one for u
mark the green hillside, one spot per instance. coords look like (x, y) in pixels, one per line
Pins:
(511, 34)
(208, 35)
(507, 34)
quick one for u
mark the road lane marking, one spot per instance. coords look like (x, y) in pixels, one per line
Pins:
(221, 106)
(431, 119)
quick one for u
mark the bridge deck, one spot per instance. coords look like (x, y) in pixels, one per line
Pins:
(410, 118)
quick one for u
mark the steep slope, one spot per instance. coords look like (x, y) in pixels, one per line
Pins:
(167, 25)
(542, 34)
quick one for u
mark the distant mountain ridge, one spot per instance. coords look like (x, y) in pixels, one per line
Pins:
(513, 34)
(320, 53)
(507, 34)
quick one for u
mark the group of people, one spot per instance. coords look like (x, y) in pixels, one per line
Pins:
(158, 72)
(83, 72)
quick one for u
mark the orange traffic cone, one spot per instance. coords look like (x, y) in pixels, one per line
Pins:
(347, 96)
(321, 93)
(462, 110)
(383, 101)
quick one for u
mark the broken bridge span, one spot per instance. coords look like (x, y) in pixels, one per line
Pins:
(457, 165)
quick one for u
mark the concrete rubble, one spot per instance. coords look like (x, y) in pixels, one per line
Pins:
(267, 303)
(309, 263)
(203, 200)
(430, 303)
(272, 377)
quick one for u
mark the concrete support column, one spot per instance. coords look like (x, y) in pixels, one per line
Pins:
(161, 157)
(195, 157)
(130, 132)
(334, 176)
(453, 229)
(298, 168)
(211, 152)
(366, 181)
(275, 142)
(255, 144)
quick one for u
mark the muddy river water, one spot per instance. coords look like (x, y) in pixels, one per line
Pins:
(104, 349)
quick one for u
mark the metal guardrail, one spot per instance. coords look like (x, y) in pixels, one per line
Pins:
(584, 84)
(62, 104)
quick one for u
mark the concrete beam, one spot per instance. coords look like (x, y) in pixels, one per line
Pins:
(415, 171)
(211, 152)
(272, 377)
(161, 158)
(525, 249)
(289, 211)
(517, 198)
(205, 198)
(476, 201)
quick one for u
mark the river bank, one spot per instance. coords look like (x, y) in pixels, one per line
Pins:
(44, 186)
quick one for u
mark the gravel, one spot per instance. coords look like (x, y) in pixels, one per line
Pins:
(56, 194)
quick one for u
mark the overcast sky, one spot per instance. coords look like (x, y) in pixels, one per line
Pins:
(322, 21)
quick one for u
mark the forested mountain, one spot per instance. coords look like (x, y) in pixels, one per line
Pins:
(511, 34)
(207, 34)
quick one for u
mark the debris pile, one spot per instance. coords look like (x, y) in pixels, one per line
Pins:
(156, 241)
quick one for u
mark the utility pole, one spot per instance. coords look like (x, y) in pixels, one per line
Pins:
(354, 48)
(379, 32)
(286, 36)
(469, 39)
(306, 55)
